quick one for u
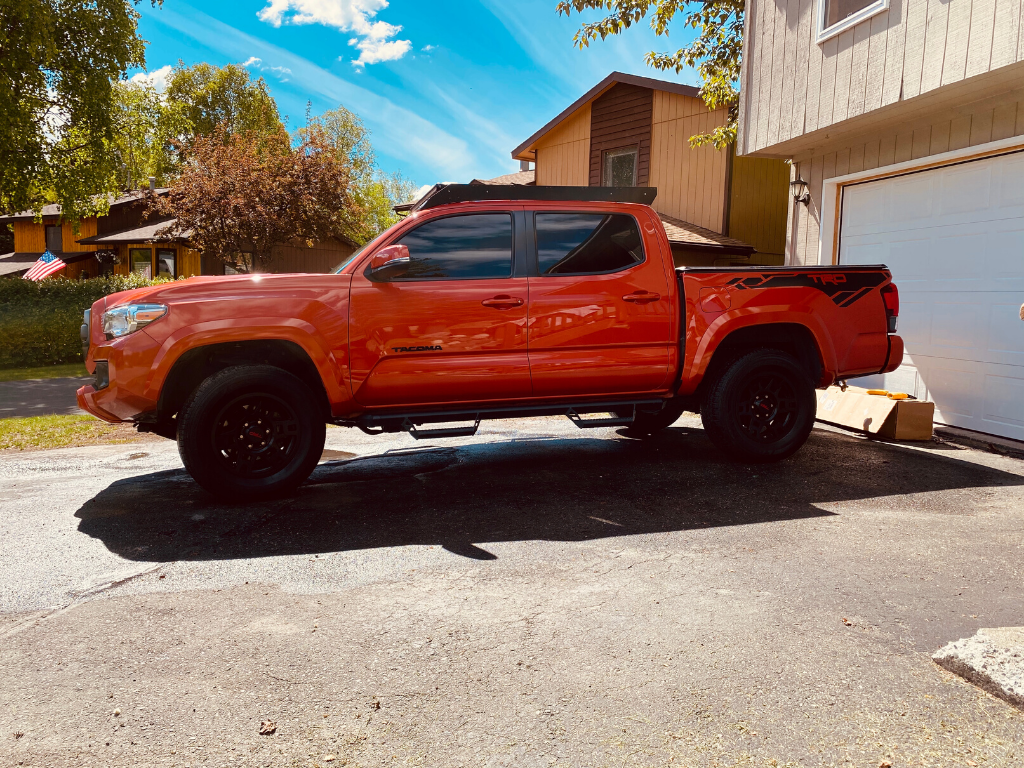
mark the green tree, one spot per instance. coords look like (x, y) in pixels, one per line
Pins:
(715, 52)
(142, 140)
(58, 62)
(202, 100)
(240, 200)
(376, 193)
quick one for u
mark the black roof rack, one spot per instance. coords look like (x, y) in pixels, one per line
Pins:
(446, 194)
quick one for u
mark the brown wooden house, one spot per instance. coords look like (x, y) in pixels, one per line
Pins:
(124, 241)
(635, 131)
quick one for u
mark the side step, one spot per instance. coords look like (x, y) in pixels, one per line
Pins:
(427, 434)
(614, 421)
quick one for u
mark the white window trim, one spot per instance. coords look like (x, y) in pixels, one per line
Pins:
(832, 189)
(864, 13)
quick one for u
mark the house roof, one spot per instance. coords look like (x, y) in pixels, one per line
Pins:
(53, 209)
(143, 234)
(527, 150)
(520, 178)
(690, 235)
(20, 262)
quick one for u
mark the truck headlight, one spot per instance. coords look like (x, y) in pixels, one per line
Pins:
(120, 321)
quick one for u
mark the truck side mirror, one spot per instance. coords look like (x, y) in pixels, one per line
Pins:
(390, 261)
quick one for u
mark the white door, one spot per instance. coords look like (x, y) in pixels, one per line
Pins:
(954, 240)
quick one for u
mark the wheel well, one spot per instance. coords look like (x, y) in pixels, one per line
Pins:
(196, 365)
(793, 338)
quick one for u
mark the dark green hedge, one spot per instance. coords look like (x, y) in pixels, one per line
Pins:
(39, 322)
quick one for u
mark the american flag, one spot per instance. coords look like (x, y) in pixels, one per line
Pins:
(45, 266)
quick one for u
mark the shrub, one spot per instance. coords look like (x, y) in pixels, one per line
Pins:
(39, 322)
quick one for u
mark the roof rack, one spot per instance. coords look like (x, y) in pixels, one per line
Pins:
(447, 194)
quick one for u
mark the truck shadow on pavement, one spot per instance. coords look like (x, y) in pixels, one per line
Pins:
(557, 489)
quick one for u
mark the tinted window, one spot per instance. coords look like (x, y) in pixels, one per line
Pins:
(460, 248)
(586, 243)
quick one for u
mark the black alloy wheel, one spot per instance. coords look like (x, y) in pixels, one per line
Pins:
(760, 407)
(255, 435)
(251, 431)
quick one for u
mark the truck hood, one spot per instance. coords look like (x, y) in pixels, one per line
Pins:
(227, 288)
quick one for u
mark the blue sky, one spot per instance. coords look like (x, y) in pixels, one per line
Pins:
(447, 89)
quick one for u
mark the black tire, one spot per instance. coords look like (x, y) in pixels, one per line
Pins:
(645, 423)
(760, 407)
(251, 431)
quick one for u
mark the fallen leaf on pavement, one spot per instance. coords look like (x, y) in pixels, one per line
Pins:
(329, 759)
(847, 622)
(267, 727)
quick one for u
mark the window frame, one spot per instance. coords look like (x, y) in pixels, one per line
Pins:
(873, 9)
(46, 231)
(535, 255)
(367, 271)
(606, 154)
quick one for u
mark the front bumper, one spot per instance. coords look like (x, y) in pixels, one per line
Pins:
(87, 402)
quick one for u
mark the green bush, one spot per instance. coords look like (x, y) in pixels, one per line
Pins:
(39, 322)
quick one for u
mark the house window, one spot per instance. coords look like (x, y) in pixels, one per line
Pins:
(620, 167)
(141, 261)
(835, 16)
(165, 263)
(54, 241)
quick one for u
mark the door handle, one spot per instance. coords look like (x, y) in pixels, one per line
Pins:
(503, 301)
(641, 297)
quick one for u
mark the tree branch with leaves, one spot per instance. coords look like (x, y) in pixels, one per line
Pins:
(716, 53)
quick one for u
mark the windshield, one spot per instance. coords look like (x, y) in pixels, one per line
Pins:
(358, 252)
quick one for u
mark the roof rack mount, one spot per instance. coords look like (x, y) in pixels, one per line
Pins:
(447, 194)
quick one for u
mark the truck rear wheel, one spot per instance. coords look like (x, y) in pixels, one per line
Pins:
(250, 430)
(761, 407)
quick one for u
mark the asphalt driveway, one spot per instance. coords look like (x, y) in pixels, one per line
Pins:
(535, 595)
(40, 397)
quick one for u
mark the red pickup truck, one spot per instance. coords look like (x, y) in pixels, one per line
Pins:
(561, 301)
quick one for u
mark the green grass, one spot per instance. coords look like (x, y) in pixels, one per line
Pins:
(41, 433)
(43, 372)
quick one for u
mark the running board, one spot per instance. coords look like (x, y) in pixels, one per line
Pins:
(427, 434)
(614, 421)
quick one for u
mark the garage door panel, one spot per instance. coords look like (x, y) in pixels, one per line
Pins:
(954, 240)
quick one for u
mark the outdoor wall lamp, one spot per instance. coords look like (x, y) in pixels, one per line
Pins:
(799, 189)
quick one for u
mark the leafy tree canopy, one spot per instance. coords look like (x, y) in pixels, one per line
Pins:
(375, 192)
(239, 200)
(715, 53)
(203, 100)
(58, 62)
(142, 141)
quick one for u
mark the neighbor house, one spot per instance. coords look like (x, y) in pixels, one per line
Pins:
(904, 121)
(635, 131)
(125, 240)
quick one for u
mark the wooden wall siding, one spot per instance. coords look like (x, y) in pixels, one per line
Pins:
(984, 124)
(29, 237)
(621, 117)
(758, 205)
(189, 262)
(690, 182)
(321, 258)
(792, 85)
(563, 155)
(86, 228)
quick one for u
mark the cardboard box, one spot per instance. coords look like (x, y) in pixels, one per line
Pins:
(876, 414)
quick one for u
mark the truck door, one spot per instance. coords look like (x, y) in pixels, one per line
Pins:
(600, 307)
(450, 326)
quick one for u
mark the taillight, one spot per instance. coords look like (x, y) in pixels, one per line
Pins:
(891, 299)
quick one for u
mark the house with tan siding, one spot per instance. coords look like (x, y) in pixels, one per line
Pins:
(904, 122)
(125, 240)
(635, 131)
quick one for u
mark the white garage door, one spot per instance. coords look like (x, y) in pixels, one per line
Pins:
(954, 240)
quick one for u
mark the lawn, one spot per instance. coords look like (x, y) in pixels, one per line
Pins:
(43, 372)
(40, 433)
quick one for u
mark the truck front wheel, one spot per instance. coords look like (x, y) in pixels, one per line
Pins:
(761, 407)
(250, 431)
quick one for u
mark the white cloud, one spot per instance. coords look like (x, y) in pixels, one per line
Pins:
(157, 78)
(257, 63)
(372, 38)
(428, 48)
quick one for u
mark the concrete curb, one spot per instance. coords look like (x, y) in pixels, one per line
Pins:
(993, 659)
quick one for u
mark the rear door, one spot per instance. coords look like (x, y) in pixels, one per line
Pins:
(452, 327)
(601, 318)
